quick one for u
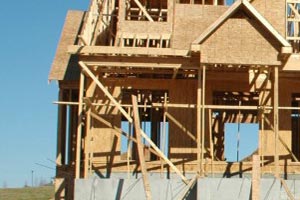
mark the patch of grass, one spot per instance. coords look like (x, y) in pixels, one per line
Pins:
(28, 193)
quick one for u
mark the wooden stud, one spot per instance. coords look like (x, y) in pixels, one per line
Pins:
(61, 132)
(199, 92)
(203, 114)
(211, 142)
(140, 147)
(79, 128)
(129, 147)
(276, 120)
(163, 138)
(87, 145)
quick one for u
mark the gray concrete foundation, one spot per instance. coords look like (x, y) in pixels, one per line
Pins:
(119, 186)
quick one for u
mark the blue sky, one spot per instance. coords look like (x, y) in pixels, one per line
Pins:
(29, 34)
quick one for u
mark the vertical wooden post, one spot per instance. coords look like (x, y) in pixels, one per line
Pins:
(203, 114)
(163, 138)
(79, 128)
(61, 132)
(276, 118)
(137, 129)
(129, 146)
(211, 142)
(255, 177)
(199, 92)
(88, 148)
(262, 137)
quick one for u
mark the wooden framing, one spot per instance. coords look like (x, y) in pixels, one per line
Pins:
(79, 129)
(167, 53)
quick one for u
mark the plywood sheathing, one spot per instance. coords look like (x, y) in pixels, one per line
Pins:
(65, 66)
(191, 20)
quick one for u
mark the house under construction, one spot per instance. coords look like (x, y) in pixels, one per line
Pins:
(179, 99)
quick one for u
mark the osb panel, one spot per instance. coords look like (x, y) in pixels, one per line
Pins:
(273, 11)
(105, 144)
(183, 93)
(62, 63)
(191, 20)
(244, 41)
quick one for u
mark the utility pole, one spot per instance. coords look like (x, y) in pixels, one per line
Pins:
(32, 178)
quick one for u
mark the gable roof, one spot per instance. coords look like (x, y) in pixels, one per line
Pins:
(243, 4)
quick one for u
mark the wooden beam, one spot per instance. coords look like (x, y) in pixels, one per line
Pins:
(151, 51)
(144, 10)
(255, 189)
(79, 128)
(106, 92)
(137, 129)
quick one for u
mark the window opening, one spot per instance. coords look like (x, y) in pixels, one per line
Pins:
(232, 122)
(295, 118)
(151, 122)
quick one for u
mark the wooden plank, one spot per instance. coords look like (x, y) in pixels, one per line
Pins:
(179, 125)
(163, 138)
(183, 106)
(203, 114)
(151, 51)
(188, 188)
(255, 189)
(106, 92)
(144, 10)
(88, 147)
(198, 123)
(137, 129)
(286, 188)
(79, 128)
(211, 142)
